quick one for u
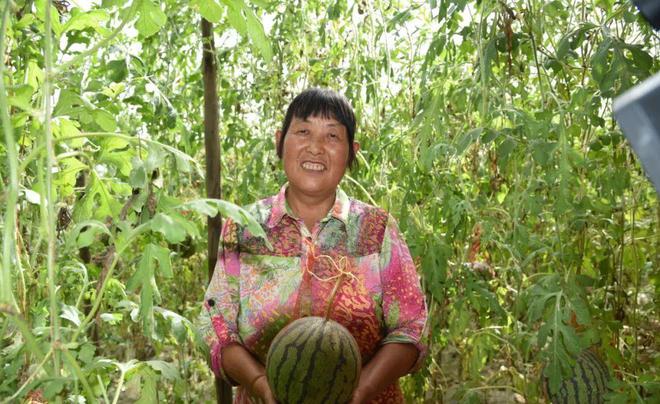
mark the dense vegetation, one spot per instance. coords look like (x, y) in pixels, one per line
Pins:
(486, 130)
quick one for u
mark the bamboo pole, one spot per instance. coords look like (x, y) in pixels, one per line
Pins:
(212, 147)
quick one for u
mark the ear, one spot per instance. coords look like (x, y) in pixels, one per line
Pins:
(278, 137)
(356, 147)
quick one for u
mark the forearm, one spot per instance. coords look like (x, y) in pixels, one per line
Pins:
(390, 363)
(240, 365)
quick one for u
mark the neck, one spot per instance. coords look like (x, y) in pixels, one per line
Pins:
(310, 208)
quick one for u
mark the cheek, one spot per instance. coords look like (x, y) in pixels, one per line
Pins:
(340, 159)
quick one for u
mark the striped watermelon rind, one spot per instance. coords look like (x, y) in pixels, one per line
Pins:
(586, 385)
(313, 360)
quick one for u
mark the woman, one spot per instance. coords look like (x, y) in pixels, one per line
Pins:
(256, 291)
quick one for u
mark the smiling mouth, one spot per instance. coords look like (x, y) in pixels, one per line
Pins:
(312, 166)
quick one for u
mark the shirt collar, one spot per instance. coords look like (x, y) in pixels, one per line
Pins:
(281, 208)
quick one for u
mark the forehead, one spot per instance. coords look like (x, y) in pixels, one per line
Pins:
(317, 120)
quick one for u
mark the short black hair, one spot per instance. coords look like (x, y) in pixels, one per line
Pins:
(324, 103)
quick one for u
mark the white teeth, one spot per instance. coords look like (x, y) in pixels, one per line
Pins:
(313, 166)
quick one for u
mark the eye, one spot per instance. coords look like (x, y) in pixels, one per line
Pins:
(333, 136)
(302, 132)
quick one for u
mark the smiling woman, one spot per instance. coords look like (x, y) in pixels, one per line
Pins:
(318, 234)
(320, 125)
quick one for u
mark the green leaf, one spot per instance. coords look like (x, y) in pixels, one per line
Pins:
(467, 139)
(149, 391)
(236, 19)
(165, 225)
(55, 24)
(641, 58)
(245, 21)
(91, 227)
(600, 65)
(98, 202)
(138, 176)
(67, 103)
(151, 19)
(125, 367)
(112, 318)
(209, 9)
(504, 149)
(257, 35)
(181, 326)
(86, 353)
(70, 313)
(68, 128)
(117, 70)
(80, 21)
(209, 207)
(144, 279)
(168, 370)
(105, 120)
(22, 97)
(52, 388)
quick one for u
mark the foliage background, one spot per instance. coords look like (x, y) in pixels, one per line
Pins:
(486, 129)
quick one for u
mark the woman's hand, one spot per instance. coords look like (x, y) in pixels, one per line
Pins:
(390, 362)
(262, 391)
(360, 396)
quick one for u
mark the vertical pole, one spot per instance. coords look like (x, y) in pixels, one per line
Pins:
(212, 147)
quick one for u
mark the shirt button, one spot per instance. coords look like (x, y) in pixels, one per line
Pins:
(211, 302)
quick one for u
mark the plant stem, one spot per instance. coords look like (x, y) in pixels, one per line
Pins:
(331, 301)
(79, 373)
(97, 300)
(9, 240)
(362, 188)
(49, 197)
(119, 386)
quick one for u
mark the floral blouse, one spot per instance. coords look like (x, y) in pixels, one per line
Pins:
(255, 291)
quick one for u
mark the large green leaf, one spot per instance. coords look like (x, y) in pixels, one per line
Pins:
(98, 203)
(144, 278)
(209, 9)
(211, 207)
(151, 18)
(83, 20)
(246, 22)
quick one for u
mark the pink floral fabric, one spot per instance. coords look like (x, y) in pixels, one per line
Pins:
(256, 291)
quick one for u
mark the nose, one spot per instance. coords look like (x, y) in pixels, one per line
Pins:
(315, 144)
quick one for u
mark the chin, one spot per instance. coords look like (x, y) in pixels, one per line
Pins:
(311, 187)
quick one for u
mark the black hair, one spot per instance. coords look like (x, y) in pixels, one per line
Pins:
(324, 103)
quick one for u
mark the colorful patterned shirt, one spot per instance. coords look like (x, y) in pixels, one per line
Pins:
(255, 291)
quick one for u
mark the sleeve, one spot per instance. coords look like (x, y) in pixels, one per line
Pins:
(404, 306)
(221, 300)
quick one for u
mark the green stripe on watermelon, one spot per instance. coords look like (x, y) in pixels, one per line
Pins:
(586, 385)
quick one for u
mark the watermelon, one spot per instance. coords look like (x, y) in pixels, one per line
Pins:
(313, 360)
(586, 385)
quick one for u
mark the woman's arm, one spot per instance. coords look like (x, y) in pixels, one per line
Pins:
(390, 362)
(241, 366)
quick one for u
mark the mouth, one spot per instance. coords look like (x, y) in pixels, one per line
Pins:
(313, 166)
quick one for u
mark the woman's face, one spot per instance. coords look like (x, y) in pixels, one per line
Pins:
(315, 154)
